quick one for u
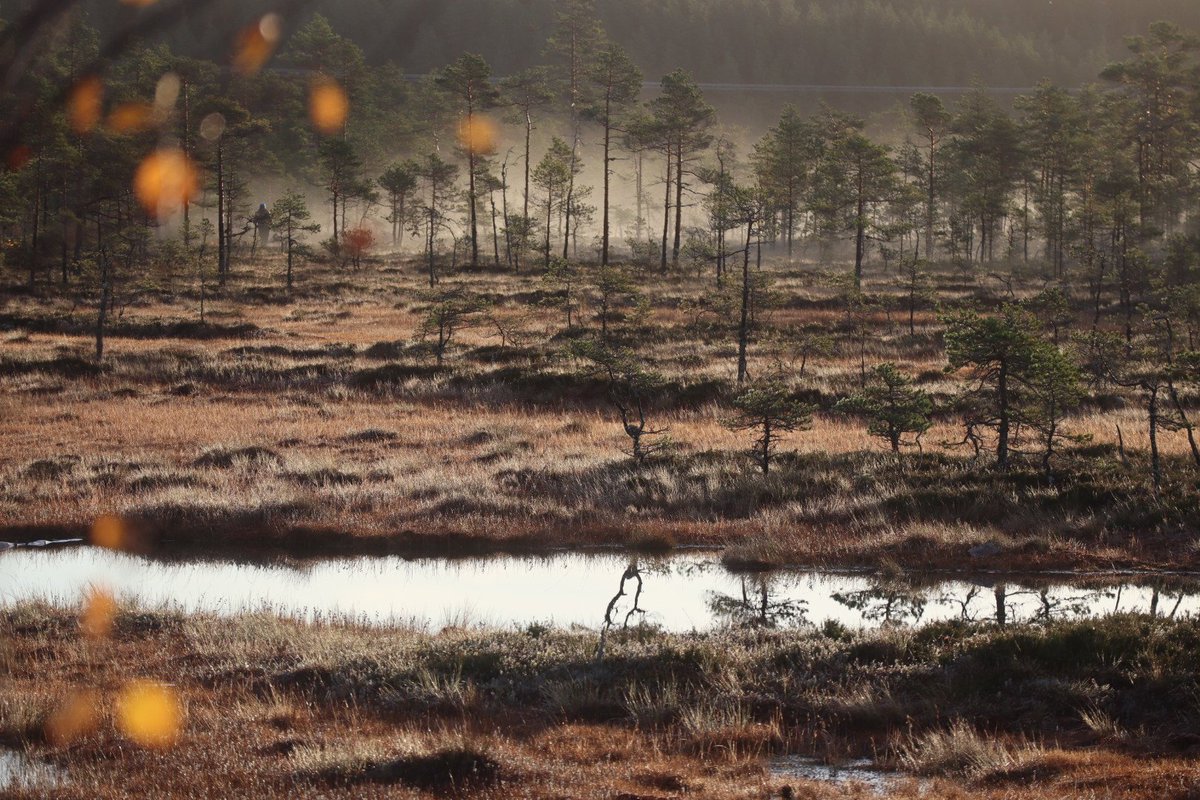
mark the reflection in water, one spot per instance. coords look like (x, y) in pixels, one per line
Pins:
(859, 771)
(17, 772)
(756, 609)
(888, 602)
(685, 592)
(632, 573)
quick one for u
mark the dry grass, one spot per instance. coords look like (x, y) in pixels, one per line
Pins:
(473, 455)
(284, 709)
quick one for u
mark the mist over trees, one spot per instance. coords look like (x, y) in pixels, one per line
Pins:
(1093, 188)
(891, 42)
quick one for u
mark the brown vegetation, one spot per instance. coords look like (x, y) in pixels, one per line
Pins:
(322, 423)
(284, 709)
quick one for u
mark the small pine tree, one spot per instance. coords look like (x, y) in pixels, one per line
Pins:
(631, 387)
(291, 220)
(450, 310)
(771, 409)
(892, 406)
(1053, 389)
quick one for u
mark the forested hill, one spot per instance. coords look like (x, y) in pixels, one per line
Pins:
(875, 42)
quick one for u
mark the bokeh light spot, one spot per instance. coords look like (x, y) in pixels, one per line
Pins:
(98, 614)
(166, 92)
(212, 126)
(109, 531)
(328, 106)
(85, 104)
(76, 717)
(256, 44)
(149, 714)
(131, 118)
(165, 180)
(477, 135)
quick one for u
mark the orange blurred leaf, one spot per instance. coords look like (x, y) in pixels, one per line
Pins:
(477, 135)
(256, 44)
(109, 531)
(131, 118)
(165, 180)
(328, 105)
(85, 104)
(98, 614)
(150, 714)
(78, 716)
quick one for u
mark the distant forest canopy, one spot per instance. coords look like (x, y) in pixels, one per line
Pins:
(1013, 43)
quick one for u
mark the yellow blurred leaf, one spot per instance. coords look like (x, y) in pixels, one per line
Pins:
(477, 135)
(328, 106)
(85, 104)
(165, 180)
(98, 614)
(150, 714)
(78, 716)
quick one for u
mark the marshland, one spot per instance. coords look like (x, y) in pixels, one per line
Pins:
(514, 405)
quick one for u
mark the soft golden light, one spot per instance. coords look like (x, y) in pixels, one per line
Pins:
(98, 614)
(78, 716)
(149, 714)
(477, 135)
(109, 531)
(328, 106)
(138, 3)
(256, 44)
(131, 118)
(85, 104)
(165, 180)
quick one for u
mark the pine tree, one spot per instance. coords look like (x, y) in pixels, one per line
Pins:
(892, 406)
(290, 218)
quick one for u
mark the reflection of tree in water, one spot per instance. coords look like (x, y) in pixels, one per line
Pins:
(1012, 603)
(889, 602)
(755, 608)
(611, 614)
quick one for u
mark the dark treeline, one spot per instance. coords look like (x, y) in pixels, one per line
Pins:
(888, 42)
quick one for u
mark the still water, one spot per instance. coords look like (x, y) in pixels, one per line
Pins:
(683, 592)
(17, 771)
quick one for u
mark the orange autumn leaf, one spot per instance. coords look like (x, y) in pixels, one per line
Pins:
(256, 44)
(165, 180)
(478, 135)
(131, 118)
(328, 106)
(77, 716)
(98, 614)
(85, 104)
